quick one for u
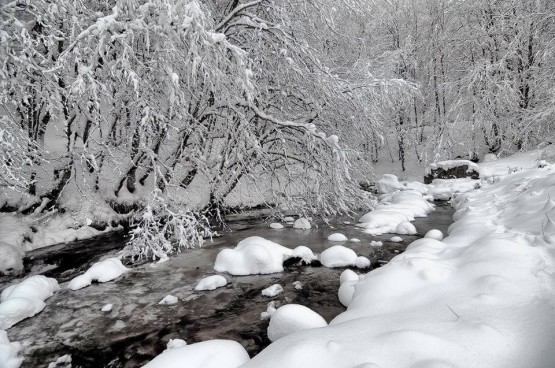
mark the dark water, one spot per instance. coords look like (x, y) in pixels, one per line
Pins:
(138, 328)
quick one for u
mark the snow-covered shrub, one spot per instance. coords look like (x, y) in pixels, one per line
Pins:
(165, 231)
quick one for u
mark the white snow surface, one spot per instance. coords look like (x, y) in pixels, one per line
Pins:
(302, 224)
(273, 290)
(340, 256)
(206, 354)
(25, 299)
(8, 352)
(337, 237)
(107, 308)
(169, 300)
(450, 164)
(256, 255)
(434, 234)
(276, 226)
(292, 318)
(11, 258)
(103, 271)
(482, 297)
(211, 283)
(396, 239)
(395, 209)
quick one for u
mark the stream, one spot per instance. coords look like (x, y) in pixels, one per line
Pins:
(138, 328)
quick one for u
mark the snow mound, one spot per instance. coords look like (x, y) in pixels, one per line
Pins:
(354, 240)
(11, 259)
(297, 285)
(270, 310)
(395, 209)
(206, 354)
(340, 256)
(8, 352)
(434, 234)
(293, 318)
(338, 237)
(388, 183)
(396, 239)
(256, 255)
(276, 226)
(211, 283)
(175, 344)
(103, 271)
(107, 308)
(272, 291)
(302, 224)
(169, 300)
(405, 228)
(289, 219)
(445, 189)
(25, 299)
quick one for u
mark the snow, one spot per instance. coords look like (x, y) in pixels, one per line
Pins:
(354, 240)
(393, 213)
(340, 256)
(206, 354)
(256, 255)
(337, 237)
(388, 183)
(450, 164)
(176, 343)
(289, 219)
(270, 310)
(103, 271)
(302, 224)
(11, 258)
(25, 299)
(64, 361)
(405, 228)
(107, 308)
(297, 285)
(445, 189)
(482, 297)
(292, 318)
(396, 239)
(276, 225)
(434, 234)
(8, 352)
(211, 283)
(272, 291)
(169, 300)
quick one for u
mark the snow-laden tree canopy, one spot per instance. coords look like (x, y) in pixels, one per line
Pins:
(159, 111)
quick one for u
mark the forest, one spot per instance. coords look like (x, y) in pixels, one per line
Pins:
(160, 114)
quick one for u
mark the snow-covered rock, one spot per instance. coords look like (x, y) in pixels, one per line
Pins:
(11, 258)
(103, 271)
(297, 285)
(348, 275)
(270, 310)
(169, 300)
(276, 226)
(211, 283)
(273, 290)
(293, 318)
(175, 344)
(388, 183)
(396, 239)
(395, 209)
(25, 299)
(256, 255)
(206, 354)
(302, 224)
(289, 219)
(434, 234)
(405, 228)
(340, 256)
(107, 308)
(337, 237)
(8, 352)
(354, 240)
